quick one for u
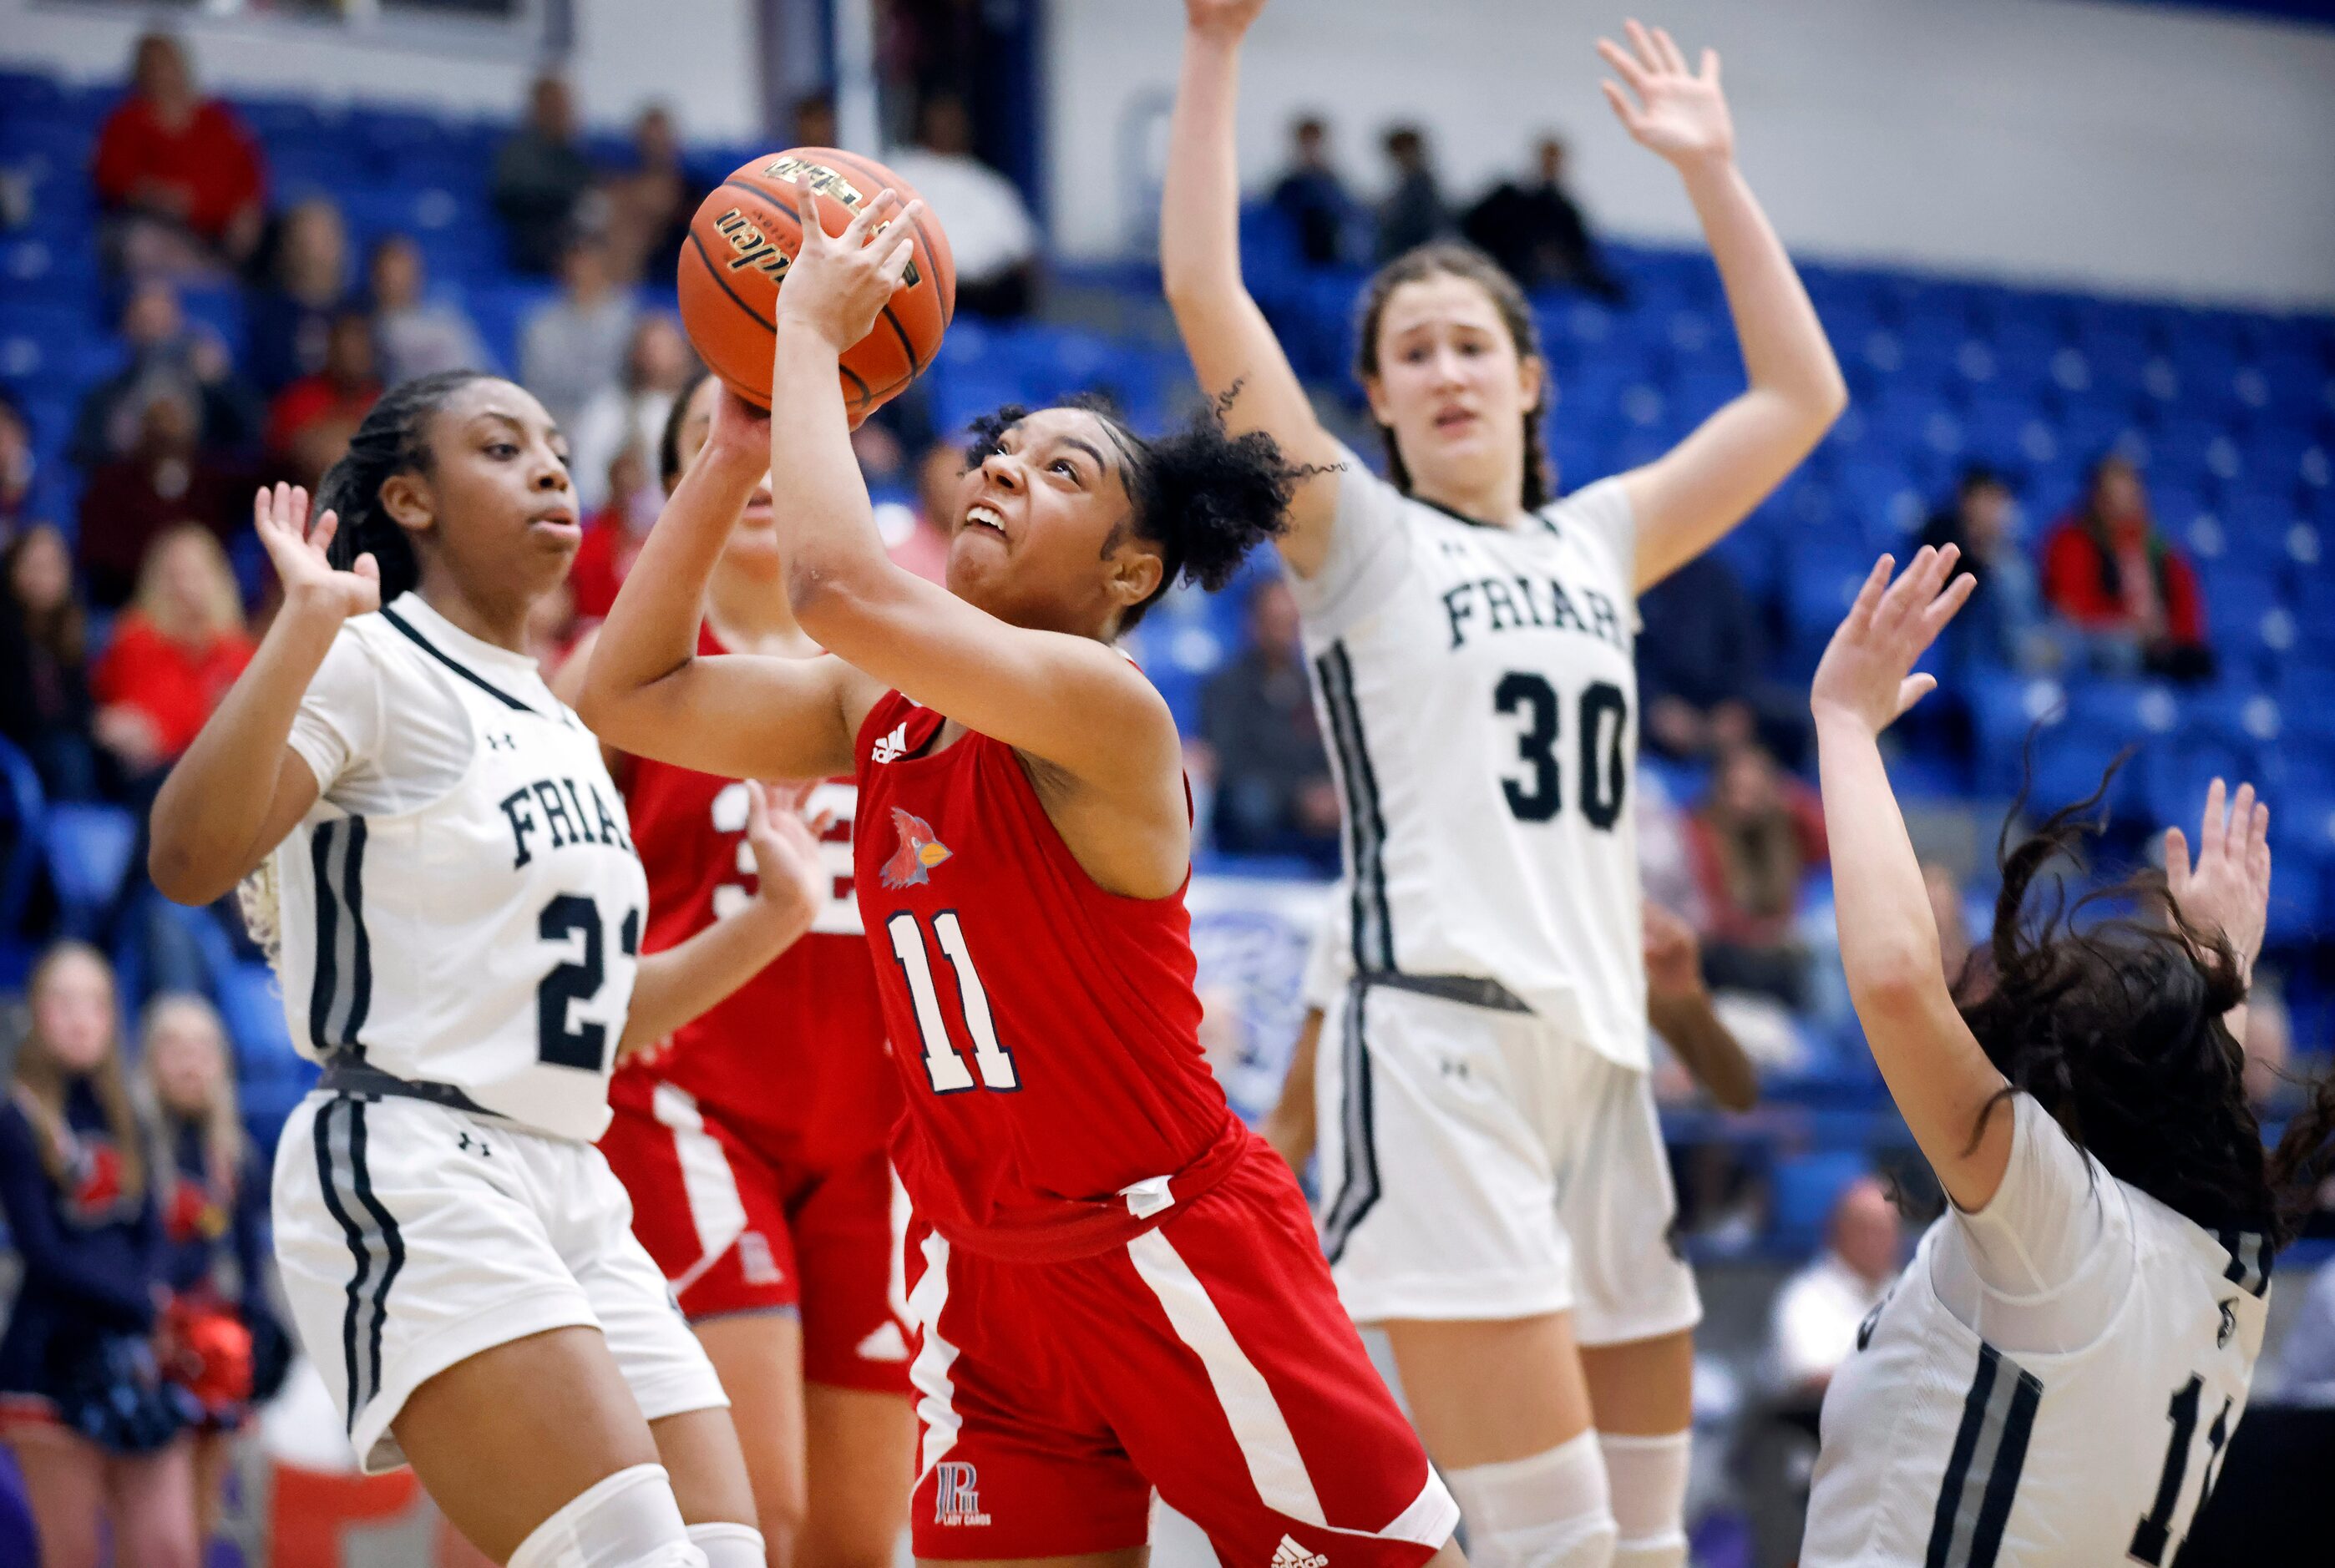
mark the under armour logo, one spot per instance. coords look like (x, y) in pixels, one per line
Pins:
(466, 1142)
(892, 747)
(502, 742)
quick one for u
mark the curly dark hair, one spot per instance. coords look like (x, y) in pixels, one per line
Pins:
(1453, 259)
(393, 438)
(2114, 1026)
(1205, 496)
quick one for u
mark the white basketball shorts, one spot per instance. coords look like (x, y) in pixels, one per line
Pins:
(1475, 1165)
(411, 1236)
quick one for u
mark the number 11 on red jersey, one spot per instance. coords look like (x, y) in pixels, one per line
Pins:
(943, 1064)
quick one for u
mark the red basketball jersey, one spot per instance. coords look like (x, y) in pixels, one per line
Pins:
(796, 1053)
(1046, 1031)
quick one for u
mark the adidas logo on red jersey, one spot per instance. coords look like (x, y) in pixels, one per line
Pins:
(1290, 1553)
(892, 747)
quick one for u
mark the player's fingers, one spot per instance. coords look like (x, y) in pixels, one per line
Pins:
(1643, 42)
(2210, 831)
(2241, 821)
(855, 233)
(895, 265)
(1623, 110)
(1868, 597)
(1710, 67)
(1624, 64)
(368, 568)
(1947, 604)
(808, 216)
(1910, 589)
(1671, 55)
(2177, 861)
(322, 535)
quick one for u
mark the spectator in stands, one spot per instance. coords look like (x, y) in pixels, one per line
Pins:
(658, 363)
(1701, 663)
(1273, 794)
(16, 467)
(2128, 588)
(1814, 1326)
(166, 479)
(413, 334)
(1946, 908)
(308, 285)
(165, 353)
(990, 231)
(179, 175)
(650, 203)
(1534, 230)
(212, 1191)
(813, 117)
(541, 178)
(97, 1434)
(174, 655)
(1755, 836)
(1412, 212)
(613, 534)
(1312, 198)
(311, 421)
(44, 706)
(2002, 626)
(924, 549)
(572, 348)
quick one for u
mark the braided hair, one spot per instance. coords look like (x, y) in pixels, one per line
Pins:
(393, 438)
(1203, 495)
(1448, 258)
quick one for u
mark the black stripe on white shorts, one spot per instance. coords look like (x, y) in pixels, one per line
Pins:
(376, 1250)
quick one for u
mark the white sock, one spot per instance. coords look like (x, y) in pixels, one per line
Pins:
(1548, 1511)
(627, 1520)
(728, 1545)
(1646, 1477)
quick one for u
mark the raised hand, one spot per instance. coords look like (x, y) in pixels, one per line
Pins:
(298, 552)
(788, 865)
(738, 428)
(1679, 114)
(838, 283)
(1674, 956)
(2228, 888)
(1866, 674)
(1225, 18)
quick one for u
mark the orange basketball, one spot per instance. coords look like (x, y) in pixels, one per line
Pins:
(745, 235)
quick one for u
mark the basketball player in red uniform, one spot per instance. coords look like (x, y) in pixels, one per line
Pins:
(1116, 1285)
(753, 1144)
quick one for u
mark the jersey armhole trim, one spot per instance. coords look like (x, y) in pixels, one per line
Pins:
(464, 671)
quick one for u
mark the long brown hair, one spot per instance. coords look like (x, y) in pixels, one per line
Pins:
(42, 1083)
(220, 1122)
(1448, 258)
(62, 630)
(222, 607)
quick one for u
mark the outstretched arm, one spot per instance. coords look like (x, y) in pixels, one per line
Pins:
(1068, 700)
(1229, 340)
(1679, 1006)
(240, 787)
(2228, 888)
(646, 690)
(1936, 1071)
(678, 984)
(1688, 499)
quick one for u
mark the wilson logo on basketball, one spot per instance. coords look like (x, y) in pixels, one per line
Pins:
(831, 183)
(753, 247)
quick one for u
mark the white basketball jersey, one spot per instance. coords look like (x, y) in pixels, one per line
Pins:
(1941, 1450)
(1479, 698)
(488, 939)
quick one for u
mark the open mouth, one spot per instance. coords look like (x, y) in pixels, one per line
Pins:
(984, 518)
(1454, 419)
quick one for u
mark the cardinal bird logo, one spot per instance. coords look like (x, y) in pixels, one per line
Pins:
(912, 863)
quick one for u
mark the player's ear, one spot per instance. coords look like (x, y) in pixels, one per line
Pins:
(407, 499)
(1135, 567)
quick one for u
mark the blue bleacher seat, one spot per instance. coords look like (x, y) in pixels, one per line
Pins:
(88, 850)
(24, 813)
(1805, 1187)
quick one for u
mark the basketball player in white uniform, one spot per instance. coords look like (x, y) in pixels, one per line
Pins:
(458, 909)
(2056, 1378)
(1497, 1196)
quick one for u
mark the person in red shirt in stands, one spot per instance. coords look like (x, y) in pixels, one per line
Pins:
(311, 420)
(2128, 588)
(175, 652)
(181, 172)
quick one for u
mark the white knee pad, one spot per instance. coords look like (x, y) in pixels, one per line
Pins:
(627, 1520)
(1646, 1477)
(1548, 1511)
(727, 1546)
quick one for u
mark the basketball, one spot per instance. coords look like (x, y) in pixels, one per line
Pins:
(745, 237)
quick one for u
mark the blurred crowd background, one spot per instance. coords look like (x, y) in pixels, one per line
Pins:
(203, 287)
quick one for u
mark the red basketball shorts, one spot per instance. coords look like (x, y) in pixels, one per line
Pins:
(1208, 1358)
(736, 1231)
